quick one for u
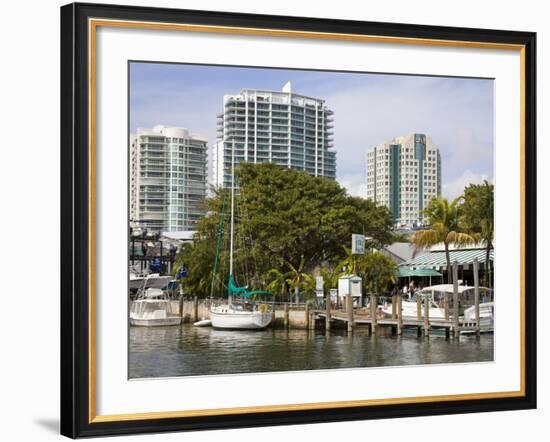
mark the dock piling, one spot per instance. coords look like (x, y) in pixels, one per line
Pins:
(195, 309)
(399, 315)
(427, 316)
(349, 311)
(374, 314)
(476, 295)
(455, 300)
(286, 315)
(327, 317)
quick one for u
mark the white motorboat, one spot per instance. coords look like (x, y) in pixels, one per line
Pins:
(153, 308)
(436, 296)
(241, 312)
(486, 318)
(410, 310)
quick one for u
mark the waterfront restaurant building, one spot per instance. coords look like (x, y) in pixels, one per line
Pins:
(404, 174)
(284, 128)
(168, 175)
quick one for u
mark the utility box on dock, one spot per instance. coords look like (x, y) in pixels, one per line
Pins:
(350, 285)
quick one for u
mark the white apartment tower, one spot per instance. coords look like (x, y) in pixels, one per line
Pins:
(404, 174)
(168, 175)
(284, 128)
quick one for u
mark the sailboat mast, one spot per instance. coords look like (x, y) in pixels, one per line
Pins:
(232, 207)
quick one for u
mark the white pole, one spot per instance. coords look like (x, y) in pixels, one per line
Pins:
(232, 206)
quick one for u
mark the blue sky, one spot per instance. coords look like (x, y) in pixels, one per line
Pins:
(368, 109)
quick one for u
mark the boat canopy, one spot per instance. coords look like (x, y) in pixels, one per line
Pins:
(448, 288)
(153, 293)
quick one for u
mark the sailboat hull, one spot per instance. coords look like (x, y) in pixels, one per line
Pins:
(240, 320)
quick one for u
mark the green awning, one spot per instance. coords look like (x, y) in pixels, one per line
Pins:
(405, 272)
(438, 261)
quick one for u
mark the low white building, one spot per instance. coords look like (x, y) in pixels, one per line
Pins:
(350, 285)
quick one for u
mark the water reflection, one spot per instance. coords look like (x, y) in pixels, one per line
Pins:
(188, 350)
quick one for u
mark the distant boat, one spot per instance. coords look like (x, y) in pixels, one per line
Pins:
(241, 312)
(152, 308)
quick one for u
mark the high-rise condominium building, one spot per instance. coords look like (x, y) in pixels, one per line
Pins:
(404, 174)
(167, 178)
(284, 128)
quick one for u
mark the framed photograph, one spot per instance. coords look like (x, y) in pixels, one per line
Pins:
(273, 220)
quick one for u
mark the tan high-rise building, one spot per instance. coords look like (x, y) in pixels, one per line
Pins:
(404, 174)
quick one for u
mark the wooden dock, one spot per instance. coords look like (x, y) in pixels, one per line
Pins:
(395, 325)
(452, 325)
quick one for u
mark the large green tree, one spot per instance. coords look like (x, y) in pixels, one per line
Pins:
(291, 214)
(285, 220)
(443, 218)
(477, 217)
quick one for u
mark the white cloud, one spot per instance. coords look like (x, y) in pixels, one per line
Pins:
(354, 184)
(456, 114)
(456, 187)
(368, 110)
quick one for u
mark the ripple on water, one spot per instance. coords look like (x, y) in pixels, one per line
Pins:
(192, 351)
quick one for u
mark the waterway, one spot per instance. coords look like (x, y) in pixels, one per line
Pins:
(193, 351)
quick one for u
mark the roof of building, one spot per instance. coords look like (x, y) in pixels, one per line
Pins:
(182, 235)
(405, 272)
(403, 250)
(437, 260)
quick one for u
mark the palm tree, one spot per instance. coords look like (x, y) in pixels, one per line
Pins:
(295, 279)
(378, 271)
(478, 218)
(278, 281)
(442, 217)
(299, 280)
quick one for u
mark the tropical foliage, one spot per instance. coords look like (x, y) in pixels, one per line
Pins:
(477, 218)
(288, 226)
(377, 270)
(443, 218)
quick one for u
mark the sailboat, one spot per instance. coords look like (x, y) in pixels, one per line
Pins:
(241, 312)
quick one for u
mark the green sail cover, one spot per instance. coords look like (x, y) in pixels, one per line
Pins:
(233, 290)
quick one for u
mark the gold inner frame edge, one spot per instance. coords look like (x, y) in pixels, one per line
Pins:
(93, 24)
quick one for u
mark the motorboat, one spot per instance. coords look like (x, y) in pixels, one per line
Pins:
(436, 295)
(153, 308)
(486, 318)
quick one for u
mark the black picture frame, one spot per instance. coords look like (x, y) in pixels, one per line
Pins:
(75, 220)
